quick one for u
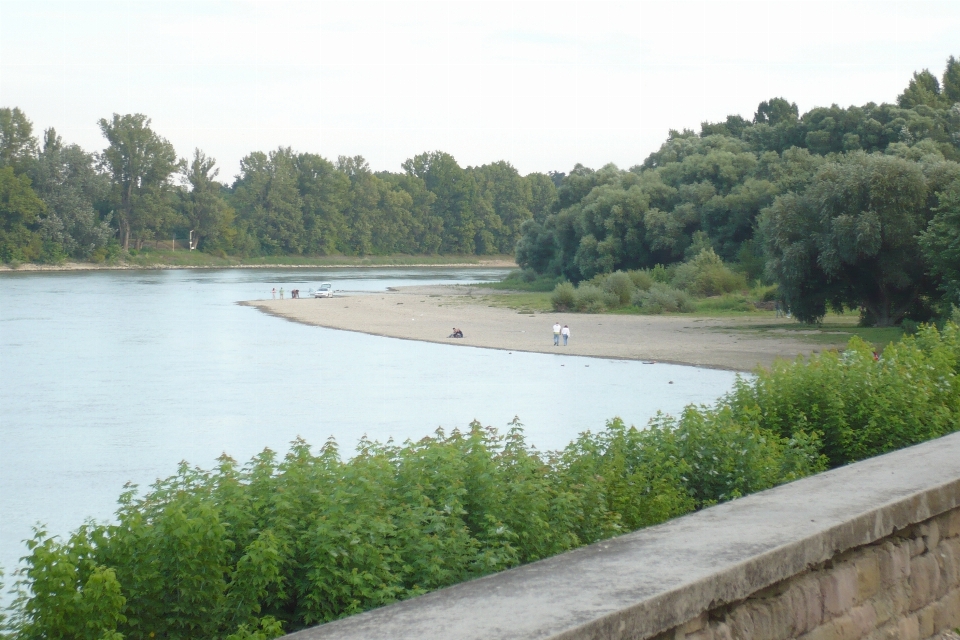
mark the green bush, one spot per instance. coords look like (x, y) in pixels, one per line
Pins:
(862, 406)
(641, 279)
(706, 275)
(621, 285)
(662, 298)
(563, 297)
(593, 299)
(248, 552)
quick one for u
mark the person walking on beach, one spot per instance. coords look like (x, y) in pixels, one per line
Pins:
(273, 293)
(281, 293)
(556, 334)
(565, 332)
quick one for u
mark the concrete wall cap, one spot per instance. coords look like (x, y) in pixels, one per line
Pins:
(643, 583)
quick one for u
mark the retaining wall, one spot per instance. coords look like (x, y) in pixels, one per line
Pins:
(871, 550)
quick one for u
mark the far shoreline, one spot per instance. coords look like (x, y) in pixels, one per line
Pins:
(496, 263)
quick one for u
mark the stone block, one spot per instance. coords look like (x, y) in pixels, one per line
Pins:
(924, 581)
(925, 618)
(948, 556)
(827, 631)
(894, 562)
(868, 575)
(696, 624)
(839, 589)
(909, 628)
(950, 524)
(700, 634)
(741, 623)
(930, 531)
(890, 604)
(864, 620)
(946, 613)
(806, 604)
(889, 631)
(722, 631)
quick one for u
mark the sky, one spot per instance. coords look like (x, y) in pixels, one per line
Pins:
(543, 85)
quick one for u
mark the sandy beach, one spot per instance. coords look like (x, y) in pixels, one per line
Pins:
(429, 314)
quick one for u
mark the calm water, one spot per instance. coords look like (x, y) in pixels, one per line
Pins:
(109, 377)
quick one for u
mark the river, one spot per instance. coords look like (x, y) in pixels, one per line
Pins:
(116, 376)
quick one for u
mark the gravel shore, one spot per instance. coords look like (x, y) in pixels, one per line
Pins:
(429, 314)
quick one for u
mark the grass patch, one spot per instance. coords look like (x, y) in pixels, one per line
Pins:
(835, 331)
(525, 280)
(525, 302)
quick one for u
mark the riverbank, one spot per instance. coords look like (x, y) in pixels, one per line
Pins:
(428, 314)
(169, 260)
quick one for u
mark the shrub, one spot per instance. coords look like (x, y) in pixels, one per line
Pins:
(661, 274)
(621, 285)
(706, 275)
(592, 299)
(641, 279)
(662, 298)
(563, 297)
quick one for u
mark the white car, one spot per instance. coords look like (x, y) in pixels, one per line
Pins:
(325, 291)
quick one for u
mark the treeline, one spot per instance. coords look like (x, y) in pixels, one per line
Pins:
(58, 201)
(246, 551)
(855, 208)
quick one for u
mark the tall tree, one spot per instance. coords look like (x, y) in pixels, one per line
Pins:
(18, 146)
(66, 179)
(19, 211)
(141, 164)
(268, 201)
(851, 240)
(203, 206)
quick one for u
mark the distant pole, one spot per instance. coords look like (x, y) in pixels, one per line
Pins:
(173, 243)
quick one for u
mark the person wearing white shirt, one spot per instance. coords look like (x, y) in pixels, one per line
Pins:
(565, 332)
(556, 334)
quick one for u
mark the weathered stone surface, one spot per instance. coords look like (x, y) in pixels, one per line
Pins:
(839, 588)
(924, 581)
(651, 582)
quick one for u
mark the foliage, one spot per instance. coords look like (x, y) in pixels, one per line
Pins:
(706, 275)
(851, 240)
(662, 298)
(710, 191)
(941, 241)
(248, 552)
(140, 163)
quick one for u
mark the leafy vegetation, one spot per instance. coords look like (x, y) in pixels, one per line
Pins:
(850, 208)
(60, 202)
(250, 551)
(678, 288)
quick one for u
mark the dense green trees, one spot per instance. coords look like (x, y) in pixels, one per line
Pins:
(840, 205)
(243, 551)
(140, 164)
(837, 205)
(282, 202)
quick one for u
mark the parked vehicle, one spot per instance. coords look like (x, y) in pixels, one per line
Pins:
(325, 291)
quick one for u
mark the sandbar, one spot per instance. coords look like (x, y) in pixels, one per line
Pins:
(429, 313)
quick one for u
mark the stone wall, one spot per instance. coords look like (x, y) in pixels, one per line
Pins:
(903, 587)
(867, 551)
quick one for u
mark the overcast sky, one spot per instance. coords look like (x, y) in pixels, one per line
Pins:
(543, 85)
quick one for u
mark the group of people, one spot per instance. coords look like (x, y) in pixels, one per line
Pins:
(560, 332)
(457, 333)
(294, 293)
